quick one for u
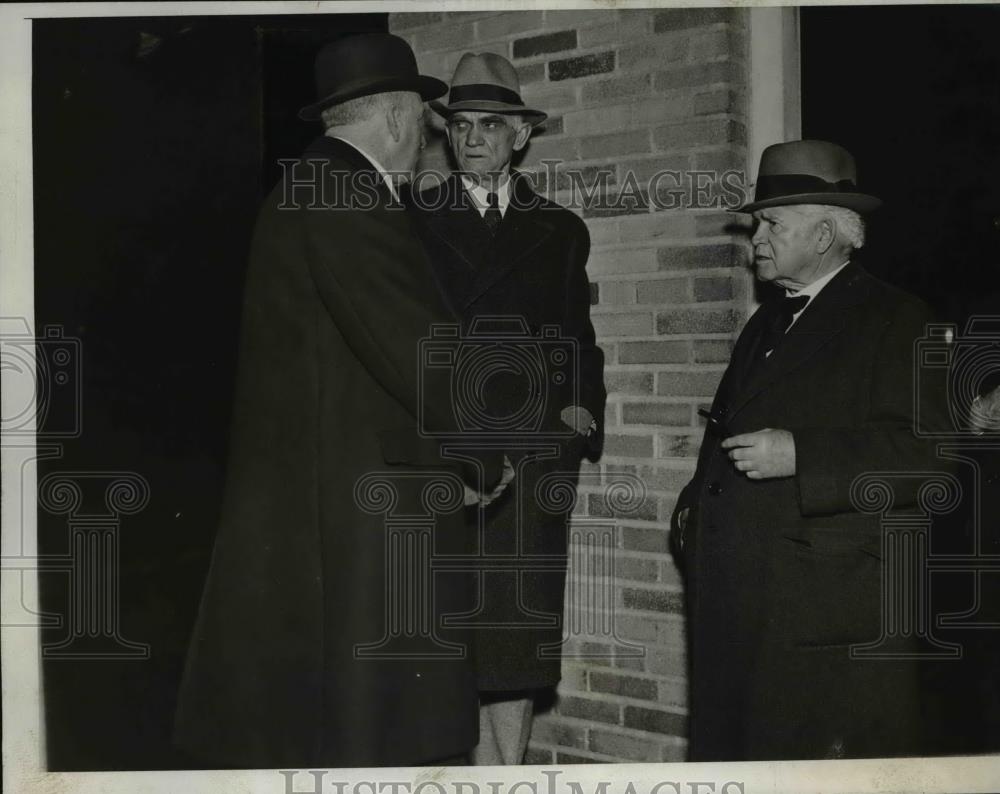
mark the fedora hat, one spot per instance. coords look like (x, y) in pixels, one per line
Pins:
(487, 83)
(364, 64)
(808, 172)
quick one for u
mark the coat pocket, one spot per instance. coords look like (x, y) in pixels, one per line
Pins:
(832, 584)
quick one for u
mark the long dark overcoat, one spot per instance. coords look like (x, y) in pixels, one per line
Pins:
(534, 271)
(783, 575)
(338, 294)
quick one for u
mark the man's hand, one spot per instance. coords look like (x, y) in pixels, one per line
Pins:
(985, 413)
(472, 497)
(580, 419)
(764, 454)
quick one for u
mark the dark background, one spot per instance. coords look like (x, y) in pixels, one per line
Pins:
(912, 92)
(155, 140)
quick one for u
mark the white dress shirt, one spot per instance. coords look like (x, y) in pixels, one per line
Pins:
(480, 195)
(812, 290)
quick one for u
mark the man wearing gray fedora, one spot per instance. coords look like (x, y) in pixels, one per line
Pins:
(783, 571)
(513, 266)
(293, 660)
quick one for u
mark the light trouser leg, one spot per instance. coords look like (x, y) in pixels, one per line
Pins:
(504, 730)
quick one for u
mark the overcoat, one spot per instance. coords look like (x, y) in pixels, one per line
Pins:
(533, 275)
(294, 660)
(784, 575)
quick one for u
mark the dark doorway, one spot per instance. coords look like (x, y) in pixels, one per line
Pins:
(911, 91)
(154, 141)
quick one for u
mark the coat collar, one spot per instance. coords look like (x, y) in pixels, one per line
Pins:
(456, 220)
(824, 318)
(324, 147)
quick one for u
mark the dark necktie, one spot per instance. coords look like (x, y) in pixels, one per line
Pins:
(778, 316)
(492, 215)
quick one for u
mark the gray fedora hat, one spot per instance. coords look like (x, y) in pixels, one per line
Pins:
(487, 83)
(808, 172)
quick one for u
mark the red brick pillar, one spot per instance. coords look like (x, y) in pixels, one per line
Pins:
(631, 93)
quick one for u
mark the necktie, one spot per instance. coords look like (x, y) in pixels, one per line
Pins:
(492, 215)
(778, 317)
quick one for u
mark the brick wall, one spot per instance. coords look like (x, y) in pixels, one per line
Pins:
(630, 91)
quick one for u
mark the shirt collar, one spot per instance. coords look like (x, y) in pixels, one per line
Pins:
(480, 195)
(812, 290)
(378, 166)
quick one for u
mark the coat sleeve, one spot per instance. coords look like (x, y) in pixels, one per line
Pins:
(829, 459)
(591, 392)
(373, 278)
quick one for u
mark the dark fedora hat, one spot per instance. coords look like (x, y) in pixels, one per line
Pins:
(487, 83)
(364, 64)
(808, 172)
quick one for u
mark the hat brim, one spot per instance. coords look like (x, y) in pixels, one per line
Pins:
(535, 117)
(859, 202)
(428, 88)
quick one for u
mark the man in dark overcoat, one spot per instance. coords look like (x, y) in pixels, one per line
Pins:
(513, 266)
(783, 569)
(297, 658)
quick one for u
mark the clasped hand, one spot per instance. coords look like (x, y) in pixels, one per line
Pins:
(764, 454)
(473, 497)
(985, 414)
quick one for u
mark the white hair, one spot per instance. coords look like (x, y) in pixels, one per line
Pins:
(849, 223)
(361, 109)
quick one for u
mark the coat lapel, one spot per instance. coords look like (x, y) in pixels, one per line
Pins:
(822, 320)
(524, 228)
(458, 223)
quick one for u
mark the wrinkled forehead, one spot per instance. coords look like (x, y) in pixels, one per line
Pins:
(787, 214)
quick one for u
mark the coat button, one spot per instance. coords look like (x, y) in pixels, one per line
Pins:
(714, 488)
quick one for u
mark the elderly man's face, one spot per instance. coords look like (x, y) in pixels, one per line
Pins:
(484, 143)
(785, 246)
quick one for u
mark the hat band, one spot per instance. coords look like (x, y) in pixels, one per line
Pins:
(777, 185)
(484, 92)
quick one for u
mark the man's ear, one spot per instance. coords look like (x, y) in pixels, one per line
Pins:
(827, 235)
(521, 137)
(394, 121)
